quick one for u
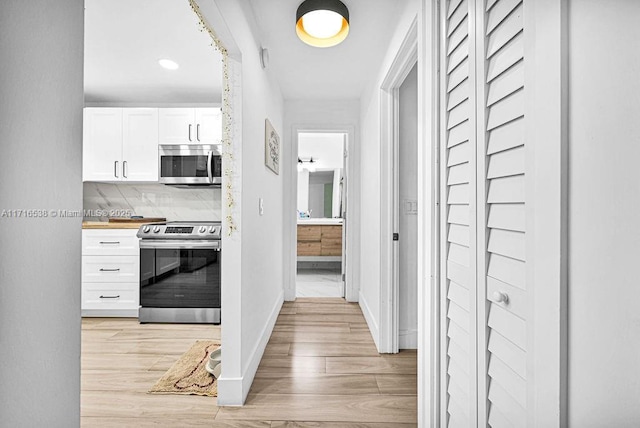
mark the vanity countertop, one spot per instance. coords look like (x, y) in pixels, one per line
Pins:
(319, 221)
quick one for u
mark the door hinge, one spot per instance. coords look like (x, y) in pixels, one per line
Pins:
(343, 277)
(396, 236)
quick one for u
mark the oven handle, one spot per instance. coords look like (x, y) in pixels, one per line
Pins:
(210, 167)
(180, 245)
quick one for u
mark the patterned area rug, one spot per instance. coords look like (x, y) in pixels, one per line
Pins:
(188, 375)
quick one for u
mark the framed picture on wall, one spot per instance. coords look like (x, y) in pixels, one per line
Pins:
(271, 147)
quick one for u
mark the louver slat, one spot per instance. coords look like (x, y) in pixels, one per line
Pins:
(507, 217)
(497, 15)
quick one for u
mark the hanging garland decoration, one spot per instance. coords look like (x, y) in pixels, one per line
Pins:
(227, 148)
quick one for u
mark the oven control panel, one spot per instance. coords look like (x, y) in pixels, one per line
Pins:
(180, 231)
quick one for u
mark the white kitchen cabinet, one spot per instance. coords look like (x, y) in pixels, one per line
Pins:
(102, 144)
(110, 273)
(140, 144)
(190, 125)
(120, 144)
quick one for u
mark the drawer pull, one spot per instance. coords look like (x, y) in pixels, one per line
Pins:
(109, 242)
(109, 270)
(110, 297)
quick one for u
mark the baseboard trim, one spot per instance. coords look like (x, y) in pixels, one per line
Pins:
(371, 322)
(235, 390)
(408, 339)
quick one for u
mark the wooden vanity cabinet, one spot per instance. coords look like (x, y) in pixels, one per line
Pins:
(319, 240)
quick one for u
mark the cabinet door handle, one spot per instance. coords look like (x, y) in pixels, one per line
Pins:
(110, 297)
(109, 270)
(124, 169)
(189, 132)
(109, 242)
(115, 169)
(198, 132)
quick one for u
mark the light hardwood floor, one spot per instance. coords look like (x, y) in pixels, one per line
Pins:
(320, 369)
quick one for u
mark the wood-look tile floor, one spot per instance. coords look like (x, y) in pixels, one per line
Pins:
(320, 369)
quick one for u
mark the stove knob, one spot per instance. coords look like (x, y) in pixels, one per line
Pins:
(146, 229)
(202, 229)
(156, 229)
(212, 229)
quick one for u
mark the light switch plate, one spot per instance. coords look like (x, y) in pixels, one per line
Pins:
(261, 206)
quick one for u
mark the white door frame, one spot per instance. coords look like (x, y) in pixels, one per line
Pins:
(351, 288)
(404, 61)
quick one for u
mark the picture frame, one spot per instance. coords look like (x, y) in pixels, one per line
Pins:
(271, 148)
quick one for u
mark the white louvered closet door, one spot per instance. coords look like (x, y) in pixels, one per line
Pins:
(458, 211)
(502, 350)
(484, 294)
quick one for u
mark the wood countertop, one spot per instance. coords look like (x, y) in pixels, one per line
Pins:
(111, 225)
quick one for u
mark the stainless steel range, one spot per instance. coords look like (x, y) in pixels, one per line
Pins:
(180, 272)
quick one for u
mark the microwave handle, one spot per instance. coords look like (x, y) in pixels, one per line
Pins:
(210, 166)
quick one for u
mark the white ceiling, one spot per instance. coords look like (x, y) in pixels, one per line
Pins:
(124, 39)
(339, 72)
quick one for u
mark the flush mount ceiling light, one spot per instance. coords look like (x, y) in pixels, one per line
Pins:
(168, 64)
(322, 23)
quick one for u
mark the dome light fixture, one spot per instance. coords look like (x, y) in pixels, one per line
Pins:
(322, 23)
(168, 64)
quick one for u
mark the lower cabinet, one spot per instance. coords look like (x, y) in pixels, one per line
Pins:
(110, 273)
(319, 240)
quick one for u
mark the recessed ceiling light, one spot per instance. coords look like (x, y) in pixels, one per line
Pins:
(322, 23)
(168, 64)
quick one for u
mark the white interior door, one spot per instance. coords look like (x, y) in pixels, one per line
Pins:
(407, 211)
(503, 299)
(485, 299)
(343, 204)
(459, 372)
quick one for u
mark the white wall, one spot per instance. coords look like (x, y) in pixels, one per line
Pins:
(252, 272)
(336, 115)
(370, 168)
(40, 168)
(604, 210)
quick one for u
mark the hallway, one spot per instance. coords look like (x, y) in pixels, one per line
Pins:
(321, 365)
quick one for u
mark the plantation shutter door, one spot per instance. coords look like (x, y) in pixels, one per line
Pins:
(458, 205)
(502, 301)
(484, 295)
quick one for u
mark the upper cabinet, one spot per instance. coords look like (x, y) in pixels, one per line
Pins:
(120, 144)
(190, 125)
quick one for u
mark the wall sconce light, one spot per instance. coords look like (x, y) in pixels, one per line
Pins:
(322, 23)
(310, 167)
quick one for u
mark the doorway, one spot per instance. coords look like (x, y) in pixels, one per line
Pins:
(406, 210)
(320, 214)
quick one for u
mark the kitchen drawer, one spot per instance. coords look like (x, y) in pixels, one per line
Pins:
(331, 232)
(110, 269)
(331, 246)
(117, 296)
(309, 233)
(121, 242)
(309, 248)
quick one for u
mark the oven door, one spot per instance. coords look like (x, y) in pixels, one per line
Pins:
(180, 274)
(190, 165)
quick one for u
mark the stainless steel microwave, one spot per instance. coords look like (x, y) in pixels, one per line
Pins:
(194, 165)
